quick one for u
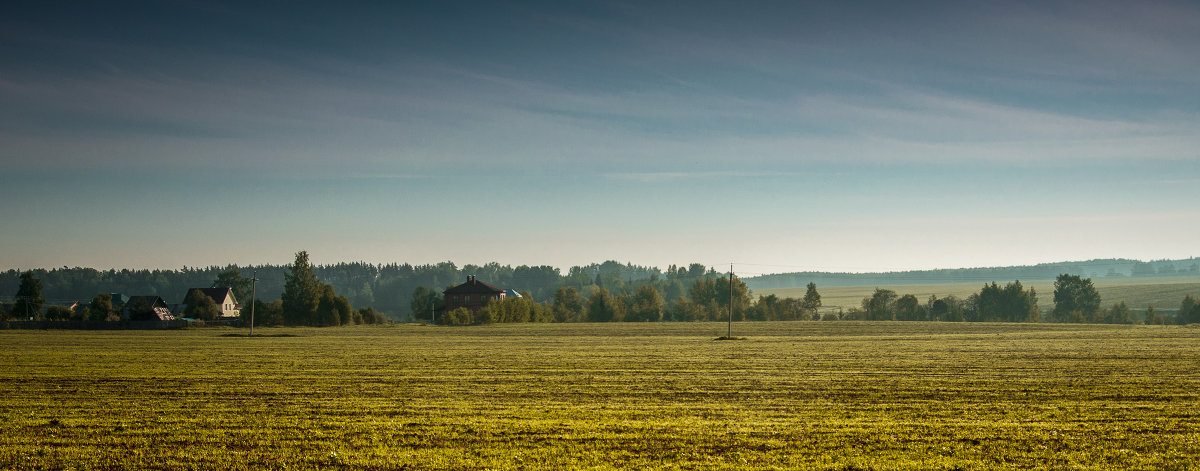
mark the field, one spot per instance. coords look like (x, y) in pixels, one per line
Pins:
(1164, 293)
(797, 395)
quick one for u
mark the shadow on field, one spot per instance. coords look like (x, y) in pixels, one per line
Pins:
(260, 335)
(729, 338)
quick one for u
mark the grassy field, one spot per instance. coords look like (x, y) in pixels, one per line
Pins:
(1164, 293)
(798, 395)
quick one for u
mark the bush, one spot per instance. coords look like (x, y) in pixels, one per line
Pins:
(459, 316)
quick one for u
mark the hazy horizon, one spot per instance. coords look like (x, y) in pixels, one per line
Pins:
(863, 137)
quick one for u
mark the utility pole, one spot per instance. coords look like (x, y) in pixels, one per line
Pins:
(253, 280)
(729, 334)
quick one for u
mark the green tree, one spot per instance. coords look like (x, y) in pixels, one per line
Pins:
(233, 279)
(265, 314)
(604, 307)
(684, 310)
(301, 292)
(101, 309)
(29, 301)
(1188, 312)
(1153, 317)
(332, 309)
(200, 306)
(906, 308)
(1012, 303)
(370, 316)
(1118, 314)
(878, 307)
(425, 302)
(812, 300)
(58, 313)
(647, 305)
(568, 304)
(1075, 299)
(458, 316)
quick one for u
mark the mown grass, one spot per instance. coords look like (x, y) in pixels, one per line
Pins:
(798, 395)
(1164, 293)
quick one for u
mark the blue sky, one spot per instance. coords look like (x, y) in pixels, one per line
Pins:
(782, 136)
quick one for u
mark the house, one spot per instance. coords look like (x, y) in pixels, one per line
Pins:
(223, 297)
(473, 295)
(146, 308)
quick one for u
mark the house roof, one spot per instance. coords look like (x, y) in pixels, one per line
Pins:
(217, 294)
(151, 301)
(473, 285)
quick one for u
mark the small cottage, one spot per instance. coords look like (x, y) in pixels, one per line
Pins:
(223, 297)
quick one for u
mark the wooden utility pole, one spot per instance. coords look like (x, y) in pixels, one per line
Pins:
(729, 334)
(253, 280)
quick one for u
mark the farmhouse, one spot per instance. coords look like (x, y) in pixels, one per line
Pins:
(473, 295)
(224, 299)
(146, 308)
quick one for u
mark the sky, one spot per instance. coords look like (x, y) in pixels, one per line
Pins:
(777, 136)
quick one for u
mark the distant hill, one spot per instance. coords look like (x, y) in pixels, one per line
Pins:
(1102, 268)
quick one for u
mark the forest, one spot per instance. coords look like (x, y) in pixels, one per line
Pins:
(325, 295)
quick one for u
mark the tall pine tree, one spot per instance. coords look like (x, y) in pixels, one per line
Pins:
(29, 301)
(301, 292)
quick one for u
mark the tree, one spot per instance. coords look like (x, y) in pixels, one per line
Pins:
(425, 302)
(1189, 311)
(603, 307)
(301, 292)
(878, 307)
(458, 316)
(332, 309)
(568, 305)
(1075, 299)
(647, 305)
(948, 309)
(812, 300)
(101, 308)
(1012, 303)
(1118, 314)
(1152, 317)
(370, 316)
(29, 301)
(265, 314)
(200, 306)
(906, 308)
(233, 279)
(58, 313)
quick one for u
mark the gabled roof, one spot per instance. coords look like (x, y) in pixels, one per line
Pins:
(217, 294)
(151, 301)
(473, 285)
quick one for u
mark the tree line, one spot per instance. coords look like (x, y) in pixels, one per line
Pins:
(708, 299)
(385, 287)
(605, 292)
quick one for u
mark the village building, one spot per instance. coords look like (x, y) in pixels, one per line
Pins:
(146, 308)
(223, 297)
(473, 295)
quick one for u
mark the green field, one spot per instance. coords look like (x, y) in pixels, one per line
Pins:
(792, 395)
(1164, 293)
